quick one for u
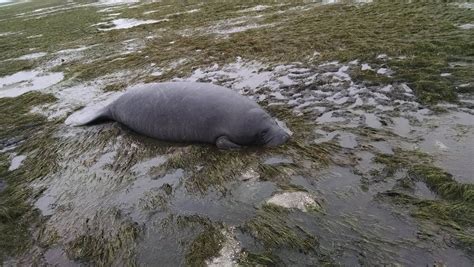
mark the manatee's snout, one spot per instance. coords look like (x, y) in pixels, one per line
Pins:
(278, 138)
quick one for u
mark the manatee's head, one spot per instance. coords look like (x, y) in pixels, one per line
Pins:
(266, 131)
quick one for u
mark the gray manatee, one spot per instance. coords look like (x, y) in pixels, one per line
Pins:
(193, 112)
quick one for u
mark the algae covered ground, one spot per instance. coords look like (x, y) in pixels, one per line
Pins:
(377, 96)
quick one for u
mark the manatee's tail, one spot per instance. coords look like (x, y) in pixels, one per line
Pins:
(89, 115)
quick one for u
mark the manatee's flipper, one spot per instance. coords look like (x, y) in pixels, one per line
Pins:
(224, 143)
(89, 115)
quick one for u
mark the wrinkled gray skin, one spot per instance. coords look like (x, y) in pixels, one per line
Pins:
(194, 112)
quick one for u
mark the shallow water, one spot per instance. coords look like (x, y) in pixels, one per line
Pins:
(26, 81)
(118, 24)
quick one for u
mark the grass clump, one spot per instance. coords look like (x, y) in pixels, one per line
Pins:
(255, 259)
(32, 135)
(16, 119)
(270, 227)
(443, 183)
(453, 211)
(209, 166)
(421, 40)
(14, 66)
(102, 248)
(205, 246)
(115, 87)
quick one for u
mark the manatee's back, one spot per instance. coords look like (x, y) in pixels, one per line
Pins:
(181, 111)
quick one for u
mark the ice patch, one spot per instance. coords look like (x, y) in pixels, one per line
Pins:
(16, 162)
(26, 81)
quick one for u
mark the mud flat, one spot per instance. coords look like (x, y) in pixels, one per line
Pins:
(378, 170)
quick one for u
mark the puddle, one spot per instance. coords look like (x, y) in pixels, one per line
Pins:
(467, 26)
(423, 192)
(26, 81)
(32, 56)
(348, 140)
(382, 147)
(372, 121)
(401, 126)
(118, 24)
(391, 235)
(56, 256)
(328, 118)
(3, 185)
(451, 139)
(277, 160)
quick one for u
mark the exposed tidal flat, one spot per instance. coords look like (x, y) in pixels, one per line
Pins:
(377, 96)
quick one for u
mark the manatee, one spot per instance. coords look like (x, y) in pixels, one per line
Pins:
(193, 112)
